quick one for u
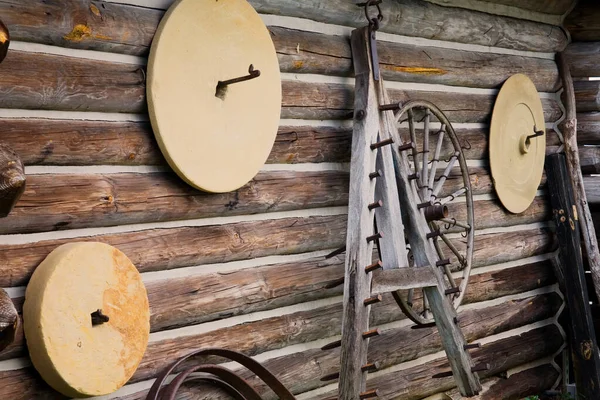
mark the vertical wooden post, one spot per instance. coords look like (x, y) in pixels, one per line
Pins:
(582, 335)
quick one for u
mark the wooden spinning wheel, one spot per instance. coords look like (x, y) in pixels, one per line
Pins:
(447, 204)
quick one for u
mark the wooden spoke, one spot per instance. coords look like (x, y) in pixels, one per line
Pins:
(453, 248)
(453, 196)
(425, 155)
(442, 179)
(435, 160)
(453, 222)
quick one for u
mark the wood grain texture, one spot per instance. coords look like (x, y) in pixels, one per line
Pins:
(305, 100)
(583, 59)
(317, 53)
(556, 7)
(74, 142)
(592, 189)
(588, 128)
(129, 29)
(587, 95)
(302, 371)
(583, 23)
(416, 18)
(70, 201)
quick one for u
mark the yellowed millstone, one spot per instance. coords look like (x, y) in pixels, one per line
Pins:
(516, 163)
(215, 143)
(74, 357)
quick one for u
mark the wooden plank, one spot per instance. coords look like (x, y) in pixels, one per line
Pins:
(307, 100)
(520, 385)
(583, 59)
(74, 142)
(402, 278)
(416, 18)
(587, 95)
(86, 201)
(196, 299)
(129, 29)
(302, 371)
(51, 82)
(586, 363)
(555, 7)
(415, 382)
(592, 189)
(583, 23)
(159, 249)
(317, 53)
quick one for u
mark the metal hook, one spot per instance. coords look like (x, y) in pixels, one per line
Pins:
(373, 22)
(252, 73)
(464, 147)
(536, 134)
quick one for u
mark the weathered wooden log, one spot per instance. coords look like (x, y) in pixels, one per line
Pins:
(520, 385)
(191, 300)
(556, 7)
(307, 100)
(416, 382)
(317, 53)
(592, 189)
(51, 82)
(584, 347)
(572, 157)
(583, 23)
(587, 95)
(74, 142)
(85, 201)
(302, 371)
(589, 159)
(588, 128)
(583, 59)
(129, 29)
(12, 179)
(9, 320)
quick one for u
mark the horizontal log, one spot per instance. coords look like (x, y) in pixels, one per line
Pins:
(73, 142)
(588, 128)
(530, 382)
(85, 201)
(159, 249)
(587, 95)
(415, 18)
(555, 7)
(130, 29)
(592, 189)
(51, 82)
(296, 373)
(583, 59)
(316, 53)
(416, 382)
(307, 100)
(589, 158)
(583, 23)
(75, 201)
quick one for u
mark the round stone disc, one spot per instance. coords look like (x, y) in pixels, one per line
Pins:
(74, 356)
(216, 143)
(517, 163)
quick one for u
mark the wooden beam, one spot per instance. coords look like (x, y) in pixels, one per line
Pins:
(576, 178)
(588, 128)
(402, 278)
(302, 371)
(583, 59)
(584, 348)
(583, 23)
(587, 95)
(129, 29)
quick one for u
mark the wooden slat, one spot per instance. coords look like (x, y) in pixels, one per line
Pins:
(583, 59)
(195, 299)
(301, 372)
(520, 385)
(84, 201)
(158, 249)
(584, 22)
(68, 142)
(316, 53)
(307, 100)
(129, 29)
(592, 189)
(587, 95)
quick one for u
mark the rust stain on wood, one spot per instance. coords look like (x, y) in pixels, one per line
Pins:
(81, 31)
(586, 349)
(415, 70)
(95, 10)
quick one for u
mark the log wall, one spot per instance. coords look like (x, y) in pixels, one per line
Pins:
(246, 270)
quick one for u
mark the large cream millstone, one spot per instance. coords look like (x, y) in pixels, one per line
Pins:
(74, 356)
(216, 142)
(516, 161)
